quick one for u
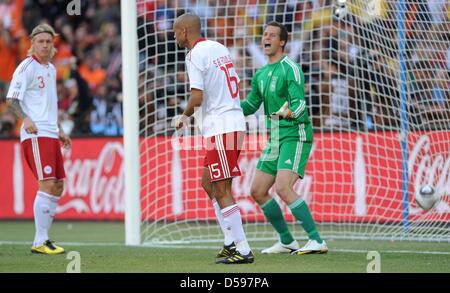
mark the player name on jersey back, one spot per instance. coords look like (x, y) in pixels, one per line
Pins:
(210, 69)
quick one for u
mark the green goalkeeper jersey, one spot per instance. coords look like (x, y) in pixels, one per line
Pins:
(273, 85)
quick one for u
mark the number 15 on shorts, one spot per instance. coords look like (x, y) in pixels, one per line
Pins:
(214, 170)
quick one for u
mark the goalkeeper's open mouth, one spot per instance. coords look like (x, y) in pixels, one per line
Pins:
(267, 47)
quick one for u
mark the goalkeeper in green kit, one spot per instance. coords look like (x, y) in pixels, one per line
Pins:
(280, 86)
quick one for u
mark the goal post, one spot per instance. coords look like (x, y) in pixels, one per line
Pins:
(403, 90)
(131, 123)
(377, 84)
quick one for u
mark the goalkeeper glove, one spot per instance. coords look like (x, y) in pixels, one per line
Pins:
(283, 112)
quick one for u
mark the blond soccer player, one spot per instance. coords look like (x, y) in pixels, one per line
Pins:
(32, 95)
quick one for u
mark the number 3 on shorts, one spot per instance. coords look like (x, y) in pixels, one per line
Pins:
(215, 172)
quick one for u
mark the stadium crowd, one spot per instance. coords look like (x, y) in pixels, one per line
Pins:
(88, 62)
(350, 60)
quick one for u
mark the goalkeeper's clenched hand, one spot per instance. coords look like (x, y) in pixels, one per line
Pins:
(284, 112)
(180, 121)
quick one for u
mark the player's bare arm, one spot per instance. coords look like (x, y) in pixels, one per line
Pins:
(195, 100)
(29, 125)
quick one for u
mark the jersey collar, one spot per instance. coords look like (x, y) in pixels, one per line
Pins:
(198, 41)
(38, 61)
(35, 58)
(281, 59)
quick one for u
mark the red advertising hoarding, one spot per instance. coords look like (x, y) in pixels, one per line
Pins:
(349, 177)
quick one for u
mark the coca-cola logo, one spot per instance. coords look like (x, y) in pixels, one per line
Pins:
(95, 185)
(429, 164)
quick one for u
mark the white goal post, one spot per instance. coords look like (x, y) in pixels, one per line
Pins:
(377, 83)
(131, 123)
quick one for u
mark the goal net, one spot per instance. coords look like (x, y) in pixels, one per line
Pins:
(377, 83)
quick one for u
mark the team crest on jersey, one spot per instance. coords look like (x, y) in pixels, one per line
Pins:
(273, 83)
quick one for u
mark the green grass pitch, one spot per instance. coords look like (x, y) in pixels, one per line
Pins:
(101, 249)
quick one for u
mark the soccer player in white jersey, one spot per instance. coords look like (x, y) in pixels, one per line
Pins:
(214, 87)
(32, 95)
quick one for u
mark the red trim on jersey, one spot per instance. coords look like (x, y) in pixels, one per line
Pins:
(230, 212)
(24, 67)
(198, 41)
(201, 39)
(36, 58)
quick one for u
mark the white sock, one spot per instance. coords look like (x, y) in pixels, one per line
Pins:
(44, 211)
(233, 222)
(227, 233)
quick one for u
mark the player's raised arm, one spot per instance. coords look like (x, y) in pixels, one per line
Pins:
(251, 104)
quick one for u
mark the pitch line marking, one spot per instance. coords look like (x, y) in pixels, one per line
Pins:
(215, 247)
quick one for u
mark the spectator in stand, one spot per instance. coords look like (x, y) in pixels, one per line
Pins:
(340, 107)
(8, 53)
(109, 45)
(106, 116)
(8, 122)
(94, 40)
(421, 94)
(105, 11)
(63, 58)
(91, 69)
(431, 97)
(146, 107)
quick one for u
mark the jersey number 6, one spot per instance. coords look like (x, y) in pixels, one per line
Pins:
(231, 79)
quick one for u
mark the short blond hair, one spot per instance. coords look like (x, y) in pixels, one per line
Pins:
(42, 28)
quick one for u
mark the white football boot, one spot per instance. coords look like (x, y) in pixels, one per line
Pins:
(312, 246)
(282, 248)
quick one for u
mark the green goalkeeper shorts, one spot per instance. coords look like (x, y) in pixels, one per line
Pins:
(290, 155)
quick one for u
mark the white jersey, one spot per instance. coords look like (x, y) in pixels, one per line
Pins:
(211, 70)
(34, 85)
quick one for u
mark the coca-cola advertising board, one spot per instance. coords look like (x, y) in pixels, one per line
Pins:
(349, 177)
